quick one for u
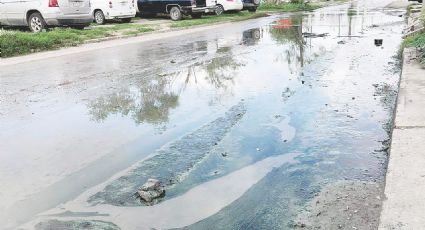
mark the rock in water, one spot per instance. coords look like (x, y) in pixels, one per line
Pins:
(151, 190)
(151, 184)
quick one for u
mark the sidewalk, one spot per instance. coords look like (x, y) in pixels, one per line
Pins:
(404, 207)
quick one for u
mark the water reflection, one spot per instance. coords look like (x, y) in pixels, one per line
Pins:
(153, 96)
(289, 31)
(150, 101)
(251, 37)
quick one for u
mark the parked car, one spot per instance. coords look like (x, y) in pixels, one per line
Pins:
(103, 10)
(228, 5)
(175, 8)
(251, 5)
(40, 14)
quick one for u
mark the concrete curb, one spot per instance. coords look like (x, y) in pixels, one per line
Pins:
(404, 206)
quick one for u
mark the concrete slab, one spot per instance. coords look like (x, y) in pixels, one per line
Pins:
(405, 182)
(404, 207)
(411, 103)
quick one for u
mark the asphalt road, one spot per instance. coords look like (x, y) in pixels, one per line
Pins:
(311, 90)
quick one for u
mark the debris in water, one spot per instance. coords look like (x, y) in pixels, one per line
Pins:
(225, 154)
(378, 42)
(286, 95)
(150, 191)
(314, 35)
(172, 61)
(258, 149)
(341, 42)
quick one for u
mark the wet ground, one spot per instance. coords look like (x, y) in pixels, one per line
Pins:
(247, 126)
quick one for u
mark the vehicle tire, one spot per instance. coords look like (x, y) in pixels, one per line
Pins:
(126, 20)
(196, 15)
(99, 17)
(175, 13)
(219, 10)
(36, 22)
(253, 10)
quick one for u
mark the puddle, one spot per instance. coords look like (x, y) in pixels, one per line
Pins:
(244, 124)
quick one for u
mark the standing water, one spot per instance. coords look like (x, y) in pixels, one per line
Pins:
(244, 125)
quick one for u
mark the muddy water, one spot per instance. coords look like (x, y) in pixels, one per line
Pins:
(243, 124)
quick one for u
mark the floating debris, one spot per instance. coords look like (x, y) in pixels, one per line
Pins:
(378, 42)
(314, 35)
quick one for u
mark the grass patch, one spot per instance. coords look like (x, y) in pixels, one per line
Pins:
(13, 43)
(208, 19)
(417, 41)
(289, 7)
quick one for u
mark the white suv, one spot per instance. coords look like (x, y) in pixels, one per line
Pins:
(39, 14)
(103, 10)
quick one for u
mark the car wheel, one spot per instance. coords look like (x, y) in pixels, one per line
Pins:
(196, 15)
(126, 20)
(99, 17)
(175, 13)
(219, 10)
(252, 10)
(36, 23)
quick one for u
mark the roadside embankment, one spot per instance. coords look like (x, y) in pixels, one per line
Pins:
(404, 206)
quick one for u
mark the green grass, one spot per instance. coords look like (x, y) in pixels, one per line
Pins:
(208, 19)
(13, 43)
(417, 41)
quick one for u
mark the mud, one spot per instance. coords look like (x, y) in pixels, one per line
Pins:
(343, 205)
(75, 225)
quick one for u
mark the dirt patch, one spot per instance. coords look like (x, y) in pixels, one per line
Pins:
(75, 225)
(343, 205)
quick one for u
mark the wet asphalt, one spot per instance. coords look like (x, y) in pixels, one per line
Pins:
(80, 133)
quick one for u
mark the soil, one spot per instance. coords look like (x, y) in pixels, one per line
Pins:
(344, 205)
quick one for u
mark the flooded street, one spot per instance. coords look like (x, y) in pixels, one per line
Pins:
(246, 125)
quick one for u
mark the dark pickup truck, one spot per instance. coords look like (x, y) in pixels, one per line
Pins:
(176, 8)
